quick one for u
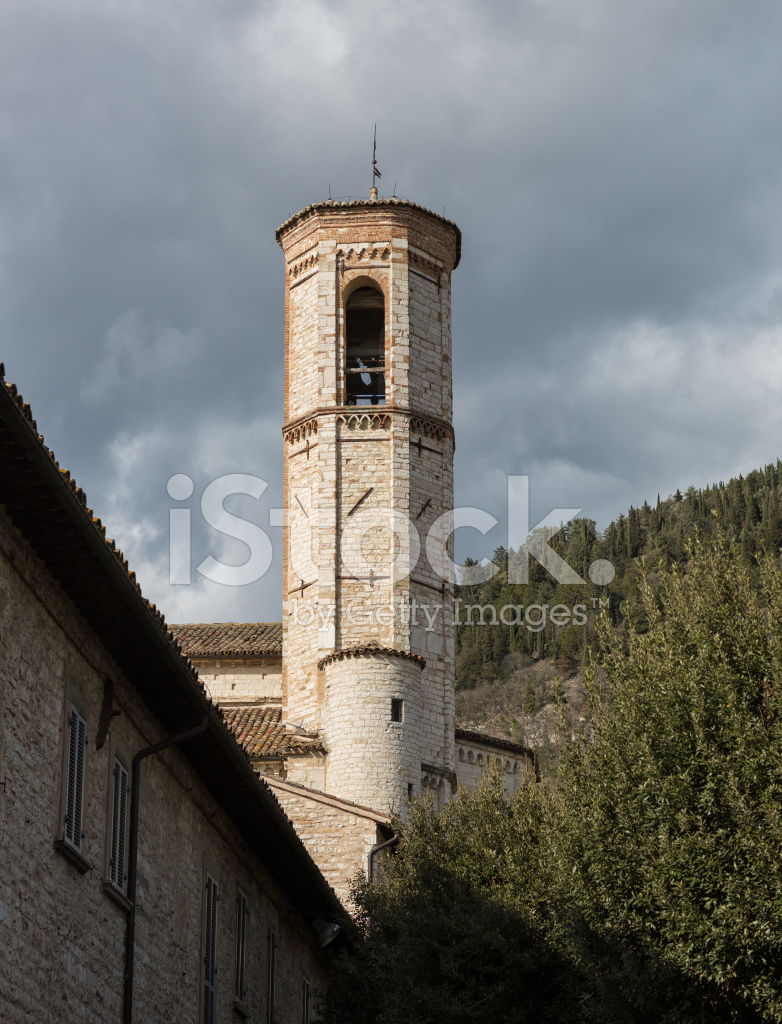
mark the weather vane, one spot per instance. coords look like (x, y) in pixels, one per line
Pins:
(375, 172)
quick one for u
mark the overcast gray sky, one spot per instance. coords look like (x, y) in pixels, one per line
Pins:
(615, 168)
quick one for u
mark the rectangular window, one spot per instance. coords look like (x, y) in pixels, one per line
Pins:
(119, 818)
(397, 710)
(241, 948)
(210, 948)
(74, 793)
(305, 1002)
(271, 975)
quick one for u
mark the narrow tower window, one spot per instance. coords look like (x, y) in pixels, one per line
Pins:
(397, 709)
(365, 348)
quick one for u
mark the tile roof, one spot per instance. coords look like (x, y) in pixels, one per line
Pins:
(330, 204)
(367, 651)
(11, 391)
(229, 639)
(262, 733)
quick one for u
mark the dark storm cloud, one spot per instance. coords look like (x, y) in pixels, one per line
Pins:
(614, 167)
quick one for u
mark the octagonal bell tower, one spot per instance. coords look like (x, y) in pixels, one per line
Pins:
(368, 650)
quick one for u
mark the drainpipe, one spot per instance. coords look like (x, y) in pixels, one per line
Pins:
(376, 850)
(130, 926)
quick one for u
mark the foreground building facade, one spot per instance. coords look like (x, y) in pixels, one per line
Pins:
(230, 911)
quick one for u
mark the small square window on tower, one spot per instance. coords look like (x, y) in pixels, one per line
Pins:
(397, 710)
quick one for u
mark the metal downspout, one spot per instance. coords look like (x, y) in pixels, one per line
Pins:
(376, 850)
(130, 925)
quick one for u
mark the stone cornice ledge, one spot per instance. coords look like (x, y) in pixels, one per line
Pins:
(311, 417)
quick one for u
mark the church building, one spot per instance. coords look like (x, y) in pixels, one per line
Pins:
(183, 808)
(347, 706)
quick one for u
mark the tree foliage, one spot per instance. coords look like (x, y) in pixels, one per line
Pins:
(646, 886)
(457, 930)
(672, 816)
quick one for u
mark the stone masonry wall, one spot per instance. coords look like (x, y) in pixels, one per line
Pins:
(473, 759)
(364, 538)
(62, 932)
(304, 347)
(431, 631)
(305, 467)
(373, 760)
(339, 836)
(241, 680)
(403, 451)
(430, 349)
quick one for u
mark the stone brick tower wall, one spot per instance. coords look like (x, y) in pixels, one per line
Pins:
(368, 470)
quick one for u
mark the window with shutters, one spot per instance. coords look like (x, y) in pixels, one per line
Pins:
(210, 949)
(74, 781)
(119, 818)
(306, 996)
(241, 946)
(271, 975)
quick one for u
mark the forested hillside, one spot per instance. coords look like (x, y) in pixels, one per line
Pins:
(522, 619)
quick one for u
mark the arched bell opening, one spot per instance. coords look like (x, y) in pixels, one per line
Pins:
(365, 347)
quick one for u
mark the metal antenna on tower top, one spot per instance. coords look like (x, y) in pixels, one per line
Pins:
(375, 172)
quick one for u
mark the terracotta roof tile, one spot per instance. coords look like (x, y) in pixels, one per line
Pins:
(261, 732)
(330, 204)
(229, 639)
(367, 651)
(13, 392)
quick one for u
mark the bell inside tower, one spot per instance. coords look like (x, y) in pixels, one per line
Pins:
(365, 348)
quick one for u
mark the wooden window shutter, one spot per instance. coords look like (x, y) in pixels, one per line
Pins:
(210, 950)
(118, 826)
(306, 997)
(241, 945)
(271, 975)
(74, 796)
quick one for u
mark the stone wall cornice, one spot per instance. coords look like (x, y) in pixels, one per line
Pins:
(307, 424)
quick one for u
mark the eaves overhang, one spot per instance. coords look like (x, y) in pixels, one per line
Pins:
(51, 513)
(328, 205)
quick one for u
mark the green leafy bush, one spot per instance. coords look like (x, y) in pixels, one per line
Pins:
(646, 886)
